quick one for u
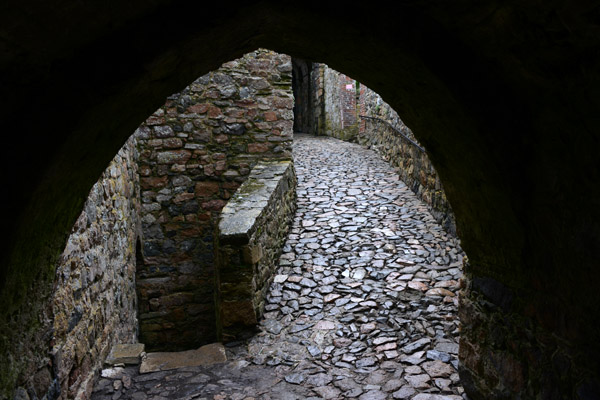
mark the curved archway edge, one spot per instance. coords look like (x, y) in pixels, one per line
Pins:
(504, 97)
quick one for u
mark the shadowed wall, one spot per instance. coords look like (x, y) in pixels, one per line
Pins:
(505, 97)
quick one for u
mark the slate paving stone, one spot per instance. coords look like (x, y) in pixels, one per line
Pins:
(362, 306)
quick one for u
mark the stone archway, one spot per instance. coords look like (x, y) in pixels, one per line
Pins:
(489, 90)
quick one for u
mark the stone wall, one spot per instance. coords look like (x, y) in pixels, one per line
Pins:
(317, 99)
(384, 133)
(528, 221)
(195, 152)
(301, 86)
(339, 105)
(495, 363)
(252, 230)
(151, 218)
(94, 302)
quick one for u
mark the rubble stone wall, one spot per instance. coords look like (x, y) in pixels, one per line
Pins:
(252, 230)
(493, 361)
(317, 102)
(145, 237)
(195, 151)
(94, 302)
(413, 165)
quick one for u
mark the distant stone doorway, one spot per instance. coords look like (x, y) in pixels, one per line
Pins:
(305, 97)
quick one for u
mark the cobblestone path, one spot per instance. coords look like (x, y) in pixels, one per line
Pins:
(363, 305)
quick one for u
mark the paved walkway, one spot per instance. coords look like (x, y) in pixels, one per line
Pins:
(363, 305)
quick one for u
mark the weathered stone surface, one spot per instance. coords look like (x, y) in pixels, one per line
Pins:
(427, 396)
(114, 373)
(418, 381)
(373, 395)
(329, 333)
(295, 378)
(126, 353)
(404, 393)
(325, 325)
(202, 145)
(438, 369)
(252, 229)
(206, 355)
(327, 392)
(98, 262)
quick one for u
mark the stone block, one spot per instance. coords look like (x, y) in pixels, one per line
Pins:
(126, 354)
(173, 156)
(162, 361)
(207, 188)
(249, 246)
(238, 314)
(198, 108)
(153, 182)
(240, 225)
(163, 131)
(258, 147)
(252, 254)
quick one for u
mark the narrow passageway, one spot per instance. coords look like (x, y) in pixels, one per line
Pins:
(367, 284)
(363, 305)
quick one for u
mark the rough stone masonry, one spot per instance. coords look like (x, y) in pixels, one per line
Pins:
(195, 151)
(141, 258)
(252, 230)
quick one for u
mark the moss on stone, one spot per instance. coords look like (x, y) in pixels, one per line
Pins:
(250, 186)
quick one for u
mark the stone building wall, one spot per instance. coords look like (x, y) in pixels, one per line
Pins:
(301, 86)
(317, 99)
(94, 302)
(339, 105)
(195, 152)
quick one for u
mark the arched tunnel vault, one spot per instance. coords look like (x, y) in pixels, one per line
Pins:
(504, 97)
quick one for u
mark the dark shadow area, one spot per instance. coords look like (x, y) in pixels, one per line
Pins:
(303, 106)
(504, 97)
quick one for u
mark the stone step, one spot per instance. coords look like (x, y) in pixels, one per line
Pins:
(209, 354)
(128, 353)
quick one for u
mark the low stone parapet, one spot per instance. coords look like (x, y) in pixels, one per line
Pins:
(252, 230)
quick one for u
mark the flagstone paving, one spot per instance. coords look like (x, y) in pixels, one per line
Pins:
(363, 305)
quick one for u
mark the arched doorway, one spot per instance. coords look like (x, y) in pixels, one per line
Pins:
(492, 117)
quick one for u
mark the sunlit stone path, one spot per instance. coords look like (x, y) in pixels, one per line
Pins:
(363, 305)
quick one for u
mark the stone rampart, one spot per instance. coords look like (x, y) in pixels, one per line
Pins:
(252, 230)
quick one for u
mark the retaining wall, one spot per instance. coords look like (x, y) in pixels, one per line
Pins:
(252, 230)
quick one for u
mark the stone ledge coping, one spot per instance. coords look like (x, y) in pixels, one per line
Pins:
(239, 216)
